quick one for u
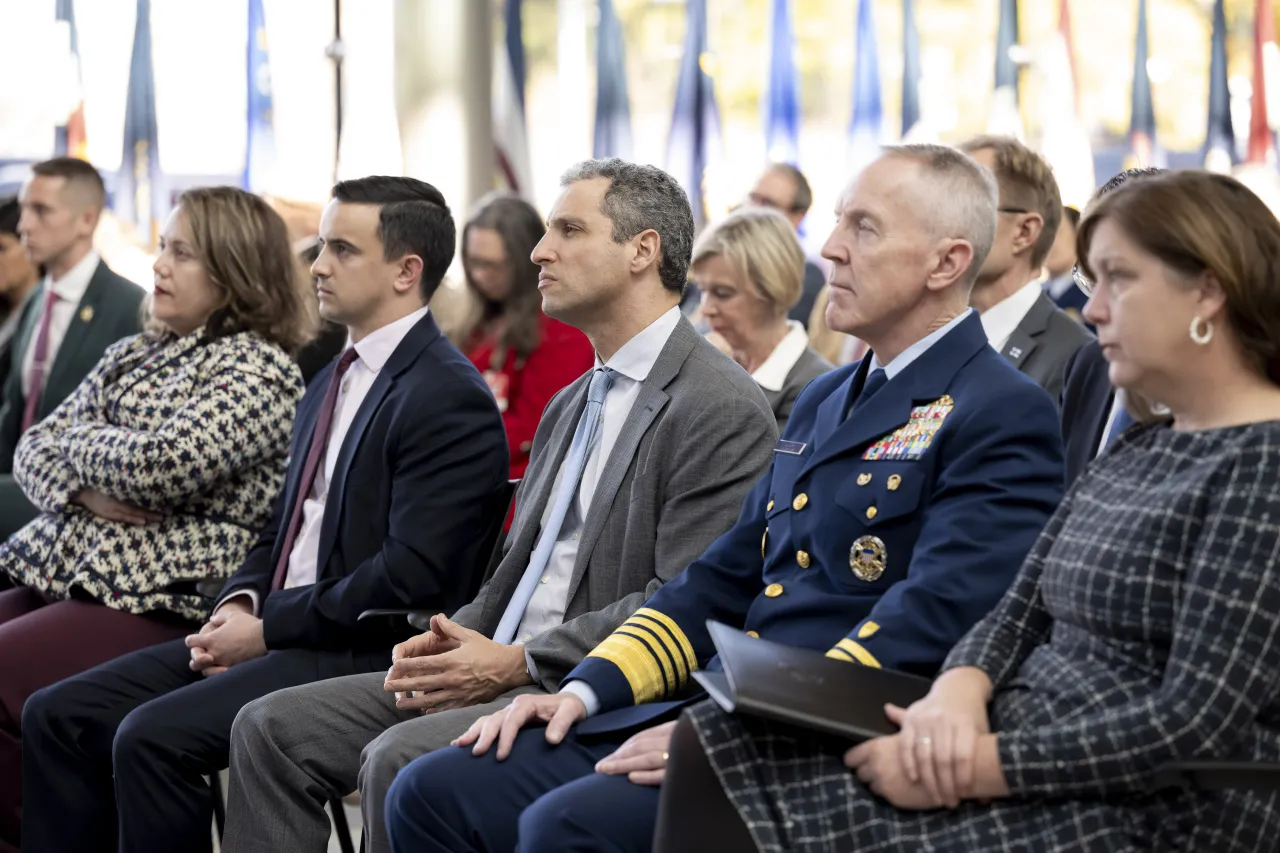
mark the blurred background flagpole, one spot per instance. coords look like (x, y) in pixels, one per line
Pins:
(910, 70)
(782, 92)
(1265, 59)
(1220, 137)
(139, 192)
(694, 141)
(260, 148)
(510, 140)
(866, 124)
(69, 137)
(1064, 141)
(1144, 148)
(1004, 118)
(613, 105)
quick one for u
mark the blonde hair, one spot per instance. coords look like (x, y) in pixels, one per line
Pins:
(761, 245)
(1026, 179)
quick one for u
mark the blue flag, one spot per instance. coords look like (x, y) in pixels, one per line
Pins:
(510, 142)
(910, 68)
(1005, 118)
(260, 145)
(69, 136)
(139, 194)
(1144, 150)
(613, 105)
(695, 124)
(782, 94)
(867, 124)
(1220, 139)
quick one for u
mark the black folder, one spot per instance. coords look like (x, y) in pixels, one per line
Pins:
(804, 687)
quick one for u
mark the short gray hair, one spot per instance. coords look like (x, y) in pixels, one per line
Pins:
(640, 198)
(967, 197)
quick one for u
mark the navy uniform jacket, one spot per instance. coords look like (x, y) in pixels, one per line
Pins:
(880, 539)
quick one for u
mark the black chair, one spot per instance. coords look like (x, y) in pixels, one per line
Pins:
(492, 549)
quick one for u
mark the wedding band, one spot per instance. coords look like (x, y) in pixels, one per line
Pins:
(665, 756)
(924, 741)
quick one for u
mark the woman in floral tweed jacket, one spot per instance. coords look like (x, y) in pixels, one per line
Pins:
(160, 470)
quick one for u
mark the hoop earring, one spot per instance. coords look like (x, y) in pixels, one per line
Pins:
(1199, 336)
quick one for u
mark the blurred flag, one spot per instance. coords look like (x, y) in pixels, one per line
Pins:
(910, 68)
(866, 127)
(1220, 139)
(695, 123)
(1064, 141)
(782, 94)
(1144, 150)
(139, 193)
(1004, 118)
(260, 144)
(510, 142)
(1266, 86)
(69, 138)
(613, 105)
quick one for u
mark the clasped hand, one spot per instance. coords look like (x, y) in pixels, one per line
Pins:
(450, 666)
(110, 509)
(232, 635)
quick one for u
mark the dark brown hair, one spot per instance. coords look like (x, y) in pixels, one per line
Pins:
(244, 247)
(76, 172)
(1026, 180)
(520, 228)
(1198, 222)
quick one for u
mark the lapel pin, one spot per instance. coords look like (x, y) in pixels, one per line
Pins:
(86, 313)
(1015, 352)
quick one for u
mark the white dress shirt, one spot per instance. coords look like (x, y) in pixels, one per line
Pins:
(632, 363)
(772, 374)
(70, 289)
(1001, 320)
(372, 352)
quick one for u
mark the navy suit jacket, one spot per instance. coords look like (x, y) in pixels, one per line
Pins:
(880, 538)
(1087, 397)
(420, 473)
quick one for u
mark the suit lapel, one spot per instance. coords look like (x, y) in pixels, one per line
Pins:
(30, 317)
(71, 352)
(1026, 337)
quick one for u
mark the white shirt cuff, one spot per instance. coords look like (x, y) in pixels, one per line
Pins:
(251, 594)
(584, 692)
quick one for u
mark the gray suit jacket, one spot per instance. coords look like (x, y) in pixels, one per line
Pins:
(1044, 342)
(698, 438)
(807, 368)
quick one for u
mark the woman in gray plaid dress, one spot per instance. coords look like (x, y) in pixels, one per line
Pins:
(1143, 628)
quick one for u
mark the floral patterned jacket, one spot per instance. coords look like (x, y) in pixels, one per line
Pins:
(193, 428)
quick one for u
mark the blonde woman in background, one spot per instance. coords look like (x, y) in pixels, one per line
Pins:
(750, 270)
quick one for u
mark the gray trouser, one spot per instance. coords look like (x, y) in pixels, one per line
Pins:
(293, 750)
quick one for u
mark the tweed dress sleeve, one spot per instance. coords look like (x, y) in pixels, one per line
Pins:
(41, 469)
(239, 415)
(1222, 671)
(999, 643)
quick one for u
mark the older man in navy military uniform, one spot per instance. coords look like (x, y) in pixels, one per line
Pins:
(903, 497)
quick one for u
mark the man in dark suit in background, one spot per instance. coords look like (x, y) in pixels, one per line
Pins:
(78, 310)
(398, 464)
(1021, 322)
(785, 188)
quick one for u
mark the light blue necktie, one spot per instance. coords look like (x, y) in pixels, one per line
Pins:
(584, 438)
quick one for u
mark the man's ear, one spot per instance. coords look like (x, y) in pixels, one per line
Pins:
(952, 260)
(647, 246)
(409, 275)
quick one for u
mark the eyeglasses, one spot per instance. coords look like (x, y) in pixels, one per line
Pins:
(1082, 281)
(1012, 210)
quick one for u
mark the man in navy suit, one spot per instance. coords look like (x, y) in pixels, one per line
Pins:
(903, 497)
(398, 463)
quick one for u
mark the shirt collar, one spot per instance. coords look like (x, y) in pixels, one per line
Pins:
(376, 347)
(1001, 320)
(919, 348)
(636, 357)
(772, 374)
(71, 287)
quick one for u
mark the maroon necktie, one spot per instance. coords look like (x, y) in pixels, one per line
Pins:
(39, 367)
(319, 441)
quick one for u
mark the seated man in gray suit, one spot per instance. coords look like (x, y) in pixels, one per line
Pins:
(635, 469)
(67, 322)
(1020, 319)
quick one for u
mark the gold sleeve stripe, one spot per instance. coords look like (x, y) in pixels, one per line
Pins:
(868, 629)
(661, 646)
(858, 653)
(840, 655)
(636, 663)
(670, 674)
(681, 642)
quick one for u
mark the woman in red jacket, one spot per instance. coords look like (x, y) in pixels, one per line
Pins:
(525, 356)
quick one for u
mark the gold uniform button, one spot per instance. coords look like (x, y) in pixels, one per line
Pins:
(753, 635)
(801, 501)
(773, 590)
(764, 541)
(863, 479)
(894, 482)
(871, 512)
(769, 506)
(802, 557)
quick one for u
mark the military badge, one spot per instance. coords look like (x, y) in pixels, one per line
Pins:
(867, 558)
(911, 440)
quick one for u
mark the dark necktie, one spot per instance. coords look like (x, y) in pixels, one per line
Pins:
(875, 381)
(319, 441)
